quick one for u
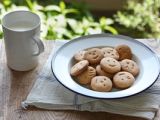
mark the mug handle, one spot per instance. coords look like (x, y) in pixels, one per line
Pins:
(39, 44)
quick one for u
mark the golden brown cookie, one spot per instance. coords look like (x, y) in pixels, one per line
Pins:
(123, 80)
(79, 67)
(130, 66)
(93, 55)
(101, 72)
(110, 52)
(101, 84)
(110, 65)
(79, 55)
(124, 52)
(86, 76)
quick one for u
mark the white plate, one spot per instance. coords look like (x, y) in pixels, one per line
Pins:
(144, 56)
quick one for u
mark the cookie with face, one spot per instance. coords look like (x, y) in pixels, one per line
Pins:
(110, 65)
(110, 52)
(123, 80)
(101, 84)
(79, 67)
(86, 76)
(124, 52)
(130, 66)
(79, 56)
(93, 55)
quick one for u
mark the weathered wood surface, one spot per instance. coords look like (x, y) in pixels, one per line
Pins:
(15, 86)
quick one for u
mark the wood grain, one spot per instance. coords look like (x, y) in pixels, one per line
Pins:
(15, 86)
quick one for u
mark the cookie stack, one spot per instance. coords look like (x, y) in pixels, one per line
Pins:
(105, 68)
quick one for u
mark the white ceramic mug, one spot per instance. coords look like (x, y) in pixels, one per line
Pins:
(22, 44)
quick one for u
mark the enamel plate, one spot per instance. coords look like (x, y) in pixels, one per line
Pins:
(143, 55)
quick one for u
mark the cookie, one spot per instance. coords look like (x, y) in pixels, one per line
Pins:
(79, 55)
(101, 72)
(124, 52)
(86, 76)
(110, 65)
(123, 80)
(110, 52)
(130, 66)
(79, 67)
(93, 55)
(101, 84)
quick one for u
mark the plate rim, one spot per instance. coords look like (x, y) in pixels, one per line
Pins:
(105, 35)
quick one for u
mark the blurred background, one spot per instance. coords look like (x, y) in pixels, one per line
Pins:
(68, 19)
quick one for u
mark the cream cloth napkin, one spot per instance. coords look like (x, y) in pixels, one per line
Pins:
(48, 93)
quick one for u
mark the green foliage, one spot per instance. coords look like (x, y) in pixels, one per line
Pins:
(140, 18)
(62, 21)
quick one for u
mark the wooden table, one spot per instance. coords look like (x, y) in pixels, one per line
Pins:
(15, 86)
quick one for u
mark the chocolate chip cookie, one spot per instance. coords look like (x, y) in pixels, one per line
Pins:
(101, 84)
(123, 80)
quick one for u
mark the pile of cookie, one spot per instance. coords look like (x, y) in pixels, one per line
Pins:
(105, 68)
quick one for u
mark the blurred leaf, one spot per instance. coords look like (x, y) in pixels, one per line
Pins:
(62, 6)
(7, 2)
(105, 21)
(69, 11)
(111, 29)
(37, 7)
(75, 26)
(52, 8)
(94, 31)
(30, 4)
(72, 23)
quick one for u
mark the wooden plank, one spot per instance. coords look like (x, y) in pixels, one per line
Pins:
(15, 86)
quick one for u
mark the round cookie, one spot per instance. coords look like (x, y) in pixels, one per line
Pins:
(101, 72)
(101, 84)
(79, 67)
(110, 65)
(124, 52)
(110, 52)
(123, 80)
(93, 55)
(130, 66)
(86, 76)
(79, 55)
